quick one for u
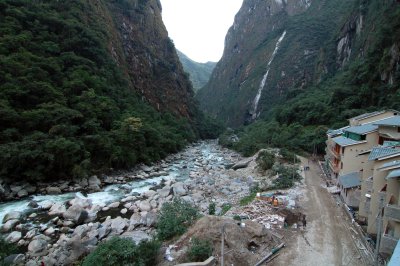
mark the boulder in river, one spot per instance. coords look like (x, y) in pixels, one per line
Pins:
(14, 237)
(76, 213)
(9, 225)
(12, 216)
(57, 209)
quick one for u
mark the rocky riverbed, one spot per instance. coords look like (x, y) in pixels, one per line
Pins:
(64, 227)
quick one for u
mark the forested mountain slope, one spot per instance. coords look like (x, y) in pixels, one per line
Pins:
(199, 73)
(297, 67)
(89, 85)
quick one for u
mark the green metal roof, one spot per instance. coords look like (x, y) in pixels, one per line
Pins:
(350, 180)
(343, 141)
(363, 129)
(379, 152)
(393, 121)
(393, 174)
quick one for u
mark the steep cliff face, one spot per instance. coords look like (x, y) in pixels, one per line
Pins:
(143, 49)
(277, 49)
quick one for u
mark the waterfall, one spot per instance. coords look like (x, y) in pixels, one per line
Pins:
(264, 79)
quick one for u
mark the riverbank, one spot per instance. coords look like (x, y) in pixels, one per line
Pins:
(53, 228)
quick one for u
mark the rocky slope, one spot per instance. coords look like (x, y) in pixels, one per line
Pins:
(199, 73)
(279, 49)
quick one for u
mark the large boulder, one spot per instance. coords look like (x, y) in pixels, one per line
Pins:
(80, 200)
(53, 190)
(22, 193)
(164, 192)
(12, 216)
(179, 189)
(241, 164)
(76, 213)
(57, 209)
(136, 236)
(134, 221)
(149, 219)
(14, 237)
(37, 246)
(46, 204)
(94, 183)
(144, 205)
(118, 224)
(9, 225)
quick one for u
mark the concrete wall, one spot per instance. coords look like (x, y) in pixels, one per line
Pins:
(352, 197)
(366, 187)
(391, 131)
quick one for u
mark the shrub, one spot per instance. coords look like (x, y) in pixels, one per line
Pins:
(211, 208)
(246, 200)
(225, 208)
(6, 249)
(200, 250)
(265, 160)
(289, 156)
(287, 177)
(175, 217)
(123, 251)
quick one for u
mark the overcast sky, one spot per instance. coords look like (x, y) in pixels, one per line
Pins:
(198, 27)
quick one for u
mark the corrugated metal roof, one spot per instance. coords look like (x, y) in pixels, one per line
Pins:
(391, 143)
(379, 152)
(390, 164)
(350, 180)
(343, 141)
(393, 121)
(335, 132)
(393, 174)
(363, 129)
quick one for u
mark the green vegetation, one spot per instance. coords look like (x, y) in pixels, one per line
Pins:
(66, 109)
(287, 176)
(248, 199)
(225, 208)
(199, 73)
(123, 251)
(6, 249)
(211, 208)
(265, 160)
(200, 250)
(174, 218)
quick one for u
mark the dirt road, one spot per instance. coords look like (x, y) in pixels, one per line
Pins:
(327, 239)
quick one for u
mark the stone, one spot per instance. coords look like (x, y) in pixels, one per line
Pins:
(146, 168)
(124, 211)
(37, 246)
(81, 201)
(242, 164)
(164, 192)
(53, 190)
(12, 216)
(33, 204)
(57, 209)
(118, 224)
(150, 219)
(9, 225)
(14, 237)
(188, 199)
(144, 205)
(30, 188)
(136, 236)
(153, 204)
(22, 193)
(14, 259)
(103, 232)
(113, 205)
(46, 204)
(179, 189)
(31, 233)
(49, 231)
(94, 183)
(149, 194)
(108, 180)
(134, 221)
(76, 213)
(15, 188)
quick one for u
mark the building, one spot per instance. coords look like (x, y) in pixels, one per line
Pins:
(350, 185)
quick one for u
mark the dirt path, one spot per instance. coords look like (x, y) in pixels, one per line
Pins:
(327, 239)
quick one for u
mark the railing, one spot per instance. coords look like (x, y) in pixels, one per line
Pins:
(392, 212)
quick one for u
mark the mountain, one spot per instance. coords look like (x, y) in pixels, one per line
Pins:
(199, 73)
(89, 85)
(297, 67)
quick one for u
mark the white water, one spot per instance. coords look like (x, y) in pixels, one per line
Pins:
(118, 191)
(264, 79)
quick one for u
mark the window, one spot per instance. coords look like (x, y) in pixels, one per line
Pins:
(398, 129)
(341, 165)
(343, 150)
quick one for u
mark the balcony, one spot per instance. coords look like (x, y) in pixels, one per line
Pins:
(392, 212)
(388, 243)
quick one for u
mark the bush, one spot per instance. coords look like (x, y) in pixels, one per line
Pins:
(211, 208)
(246, 200)
(123, 251)
(287, 177)
(265, 160)
(225, 208)
(6, 249)
(289, 156)
(175, 217)
(200, 250)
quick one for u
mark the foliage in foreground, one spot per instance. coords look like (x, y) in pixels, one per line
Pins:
(123, 251)
(174, 218)
(265, 160)
(288, 175)
(6, 249)
(200, 250)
